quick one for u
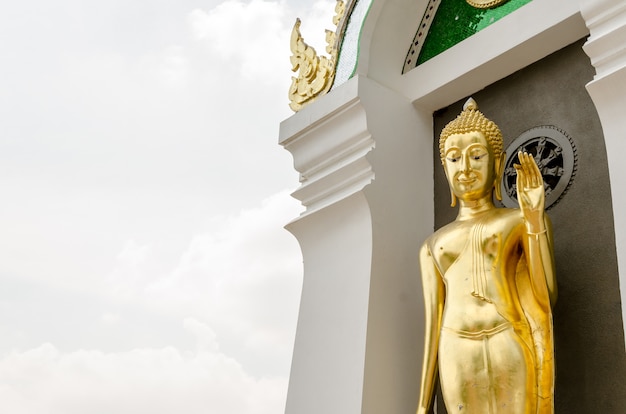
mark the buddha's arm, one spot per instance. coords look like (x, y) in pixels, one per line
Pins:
(540, 260)
(538, 242)
(434, 296)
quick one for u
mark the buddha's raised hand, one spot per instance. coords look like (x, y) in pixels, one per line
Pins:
(530, 191)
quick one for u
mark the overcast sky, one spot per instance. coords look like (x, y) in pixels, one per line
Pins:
(143, 263)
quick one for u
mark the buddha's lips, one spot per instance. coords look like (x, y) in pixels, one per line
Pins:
(466, 180)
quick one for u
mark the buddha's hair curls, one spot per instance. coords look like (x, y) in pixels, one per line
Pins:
(470, 120)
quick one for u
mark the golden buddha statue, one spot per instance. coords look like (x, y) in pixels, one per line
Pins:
(489, 283)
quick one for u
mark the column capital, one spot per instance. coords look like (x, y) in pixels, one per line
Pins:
(329, 148)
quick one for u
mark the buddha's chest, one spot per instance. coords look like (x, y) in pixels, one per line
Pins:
(480, 246)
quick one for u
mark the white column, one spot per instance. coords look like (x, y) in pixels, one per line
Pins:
(606, 47)
(365, 160)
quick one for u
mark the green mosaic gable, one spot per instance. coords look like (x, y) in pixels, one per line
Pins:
(456, 20)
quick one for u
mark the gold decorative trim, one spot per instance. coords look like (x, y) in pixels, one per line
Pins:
(485, 4)
(315, 73)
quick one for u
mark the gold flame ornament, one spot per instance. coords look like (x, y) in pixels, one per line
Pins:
(315, 73)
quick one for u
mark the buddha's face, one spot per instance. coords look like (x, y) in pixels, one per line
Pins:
(470, 165)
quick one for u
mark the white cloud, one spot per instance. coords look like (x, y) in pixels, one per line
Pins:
(253, 37)
(243, 274)
(45, 380)
(133, 254)
(109, 318)
(131, 274)
(249, 37)
(175, 65)
(206, 338)
(124, 129)
(315, 20)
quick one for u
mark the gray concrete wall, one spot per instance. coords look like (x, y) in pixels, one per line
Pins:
(589, 337)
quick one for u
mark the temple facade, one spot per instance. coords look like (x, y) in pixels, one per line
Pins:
(552, 74)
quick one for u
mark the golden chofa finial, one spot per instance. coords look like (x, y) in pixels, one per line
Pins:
(315, 73)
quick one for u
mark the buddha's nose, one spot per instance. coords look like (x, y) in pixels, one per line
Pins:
(465, 164)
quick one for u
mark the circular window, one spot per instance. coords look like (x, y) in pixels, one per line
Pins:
(555, 155)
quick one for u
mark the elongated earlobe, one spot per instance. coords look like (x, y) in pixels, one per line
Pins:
(498, 189)
(499, 172)
(452, 195)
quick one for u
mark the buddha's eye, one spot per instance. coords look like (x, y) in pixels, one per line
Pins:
(478, 156)
(452, 159)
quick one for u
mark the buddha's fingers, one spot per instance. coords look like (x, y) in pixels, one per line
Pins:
(538, 179)
(524, 176)
(531, 170)
(522, 160)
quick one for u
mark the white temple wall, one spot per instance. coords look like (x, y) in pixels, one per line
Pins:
(402, 219)
(606, 48)
(327, 368)
(357, 343)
